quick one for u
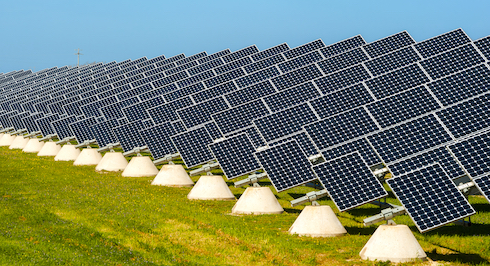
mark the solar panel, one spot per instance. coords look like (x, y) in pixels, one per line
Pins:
(201, 113)
(341, 79)
(483, 184)
(250, 93)
(483, 45)
(239, 116)
(205, 66)
(258, 76)
(430, 198)
(214, 92)
(193, 146)
(232, 65)
(343, 60)
(452, 61)
(224, 78)
(467, 117)
(127, 135)
(409, 138)
(341, 100)
(402, 106)
(270, 52)
(303, 140)
(392, 60)
(30, 123)
(81, 129)
(291, 96)
(167, 112)
(340, 128)
(399, 80)
(213, 130)
(361, 146)
(114, 110)
(137, 111)
(92, 109)
(16, 120)
(473, 154)
(240, 53)
(462, 85)
(286, 165)
(296, 77)
(157, 139)
(300, 61)
(61, 127)
(44, 124)
(263, 64)
(182, 92)
(253, 135)
(388, 44)
(349, 181)
(213, 56)
(178, 126)
(102, 132)
(439, 155)
(285, 122)
(342, 46)
(235, 155)
(442, 43)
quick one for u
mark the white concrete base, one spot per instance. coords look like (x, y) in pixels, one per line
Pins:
(173, 175)
(395, 243)
(257, 200)
(317, 221)
(33, 146)
(112, 162)
(7, 140)
(67, 153)
(19, 143)
(211, 187)
(140, 166)
(88, 156)
(49, 148)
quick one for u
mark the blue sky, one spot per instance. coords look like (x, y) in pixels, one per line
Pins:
(42, 34)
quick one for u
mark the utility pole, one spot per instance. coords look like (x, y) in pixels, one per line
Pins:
(78, 53)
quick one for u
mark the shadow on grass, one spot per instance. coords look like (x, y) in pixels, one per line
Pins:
(296, 195)
(289, 210)
(481, 207)
(472, 259)
(458, 230)
(363, 231)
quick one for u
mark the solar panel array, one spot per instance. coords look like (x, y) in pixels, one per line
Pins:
(412, 106)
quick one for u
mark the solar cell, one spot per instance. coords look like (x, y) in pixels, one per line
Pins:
(235, 155)
(201, 113)
(127, 135)
(137, 111)
(213, 130)
(342, 46)
(409, 138)
(239, 116)
(391, 61)
(442, 43)
(61, 127)
(304, 49)
(483, 184)
(473, 154)
(343, 60)
(341, 79)
(167, 112)
(157, 139)
(430, 198)
(291, 96)
(300, 61)
(81, 129)
(483, 45)
(388, 44)
(193, 146)
(102, 132)
(178, 126)
(286, 165)
(349, 181)
(303, 140)
(361, 146)
(296, 77)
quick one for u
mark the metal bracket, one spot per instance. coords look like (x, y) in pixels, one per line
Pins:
(310, 197)
(205, 168)
(251, 180)
(385, 215)
(48, 137)
(7, 130)
(65, 140)
(32, 134)
(20, 131)
(380, 172)
(167, 158)
(466, 188)
(108, 147)
(136, 151)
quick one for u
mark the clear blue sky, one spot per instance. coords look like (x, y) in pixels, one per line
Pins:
(42, 34)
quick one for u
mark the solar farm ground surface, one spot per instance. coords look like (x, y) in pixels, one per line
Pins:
(53, 213)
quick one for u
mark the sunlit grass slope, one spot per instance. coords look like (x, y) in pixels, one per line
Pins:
(55, 213)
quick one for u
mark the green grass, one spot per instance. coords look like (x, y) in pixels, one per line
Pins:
(55, 213)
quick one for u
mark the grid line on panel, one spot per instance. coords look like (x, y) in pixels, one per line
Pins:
(343, 60)
(264, 63)
(239, 116)
(102, 132)
(270, 52)
(391, 61)
(286, 165)
(201, 113)
(137, 111)
(296, 77)
(292, 96)
(157, 139)
(257, 77)
(349, 181)
(300, 61)
(388, 44)
(304, 49)
(361, 146)
(303, 140)
(81, 129)
(430, 197)
(341, 79)
(473, 154)
(442, 43)
(342, 46)
(167, 112)
(235, 155)
(483, 184)
(192, 146)
(127, 135)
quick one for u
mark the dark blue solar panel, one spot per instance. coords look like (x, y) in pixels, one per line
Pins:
(452, 61)
(442, 43)
(396, 81)
(137, 111)
(81, 129)
(300, 61)
(286, 165)
(233, 65)
(457, 87)
(167, 112)
(265, 63)
(343, 46)
(285, 122)
(240, 53)
(257, 77)
(409, 138)
(340, 128)
(473, 154)
(92, 109)
(388, 44)
(61, 127)
(214, 92)
(349, 181)
(303, 140)
(44, 124)
(127, 135)
(361, 145)
(157, 92)
(467, 117)
(483, 185)
(391, 61)
(402, 106)
(344, 60)
(270, 52)
(213, 130)
(250, 93)
(240, 116)
(341, 79)
(342, 100)
(430, 197)
(206, 66)
(304, 49)
(483, 45)
(296, 77)
(235, 156)
(102, 132)
(291, 96)
(157, 139)
(178, 126)
(195, 79)
(201, 113)
(114, 110)
(439, 155)
(254, 136)
(193, 146)
(30, 123)
(224, 78)
(180, 93)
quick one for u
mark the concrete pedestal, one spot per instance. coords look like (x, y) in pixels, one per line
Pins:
(33, 146)
(317, 221)
(211, 187)
(257, 200)
(67, 153)
(112, 162)
(395, 243)
(19, 143)
(7, 140)
(140, 166)
(49, 148)
(88, 157)
(173, 175)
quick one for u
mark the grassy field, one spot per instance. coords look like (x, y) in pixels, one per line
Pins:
(55, 213)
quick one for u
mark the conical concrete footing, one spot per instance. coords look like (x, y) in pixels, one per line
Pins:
(88, 157)
(7, 140)
(19, 143)
(395, 243)
(317, 221)
(113, 162)
(67, 153)
(33, 146)
(173, 175)
(140, 166)
(210, 187)
(257, 200)
(49, 149)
